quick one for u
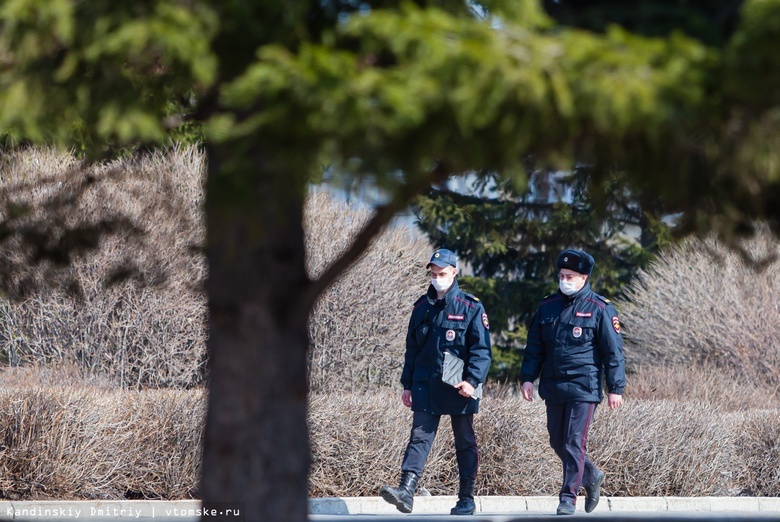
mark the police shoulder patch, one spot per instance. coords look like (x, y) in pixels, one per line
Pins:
(616, 324)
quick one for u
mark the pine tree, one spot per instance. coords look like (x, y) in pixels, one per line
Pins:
(509, 239)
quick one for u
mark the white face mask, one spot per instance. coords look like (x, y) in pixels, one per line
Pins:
(570, 287)
(442, 284)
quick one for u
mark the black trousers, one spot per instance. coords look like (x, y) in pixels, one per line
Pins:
(568, 426)
(424, 428)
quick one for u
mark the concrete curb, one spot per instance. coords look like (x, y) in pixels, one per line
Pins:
(518, 505)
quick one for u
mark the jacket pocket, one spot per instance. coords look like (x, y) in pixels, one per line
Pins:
(547, 329)
(453, 334)
(580, 332)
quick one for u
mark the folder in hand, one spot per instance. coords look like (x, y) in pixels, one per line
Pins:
(452, 373)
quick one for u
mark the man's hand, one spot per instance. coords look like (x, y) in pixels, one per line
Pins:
(528, 391)
(614, 401)
(465, 389)
(406, 398)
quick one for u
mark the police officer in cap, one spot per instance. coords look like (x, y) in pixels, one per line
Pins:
(573, 344)
(446, 362)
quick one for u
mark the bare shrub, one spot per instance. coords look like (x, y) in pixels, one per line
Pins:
(52, 375)
(358, 326)
(647, 448)
(700, 383)
(701, 302)
(141, 215)
(127, 302)
(354, 442)
(80, 442)
(515, 456)
(74, 441)
(758, 452)
(663, 448)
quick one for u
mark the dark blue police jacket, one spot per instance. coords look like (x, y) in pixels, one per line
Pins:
(456, 323)
(572, 344)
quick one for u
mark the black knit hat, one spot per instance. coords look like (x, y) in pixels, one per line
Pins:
(577, 260)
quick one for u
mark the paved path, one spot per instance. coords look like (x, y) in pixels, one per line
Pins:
(374, 509)
(527, 509)
(516, 506)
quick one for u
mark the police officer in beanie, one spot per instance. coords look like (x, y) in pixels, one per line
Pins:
(446, 362)
(573, 344)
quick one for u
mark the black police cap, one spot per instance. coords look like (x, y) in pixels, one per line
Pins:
(442, 258)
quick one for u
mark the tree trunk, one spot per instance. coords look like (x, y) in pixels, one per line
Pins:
(256, 451)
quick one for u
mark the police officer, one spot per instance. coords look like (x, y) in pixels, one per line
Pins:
(573, 343)
(448, 328)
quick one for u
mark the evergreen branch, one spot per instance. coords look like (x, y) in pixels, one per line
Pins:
(382, 216)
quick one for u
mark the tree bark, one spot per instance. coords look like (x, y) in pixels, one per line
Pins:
(256, 450)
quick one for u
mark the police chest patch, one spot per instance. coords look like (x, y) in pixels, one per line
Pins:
(450, 335)
(576, 332)
(616, 324)
(453, 317)
(485, 322)
(584, 314)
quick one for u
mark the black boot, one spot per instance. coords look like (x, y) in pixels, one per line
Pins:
(565, 507)
(592, 492)
(403, 496)
(465, 505)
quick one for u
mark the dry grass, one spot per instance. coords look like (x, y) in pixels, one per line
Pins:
(73, 441)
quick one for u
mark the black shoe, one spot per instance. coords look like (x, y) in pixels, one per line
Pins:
(401, 497)
(465, 505)
(592, 493)
(565, 508)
